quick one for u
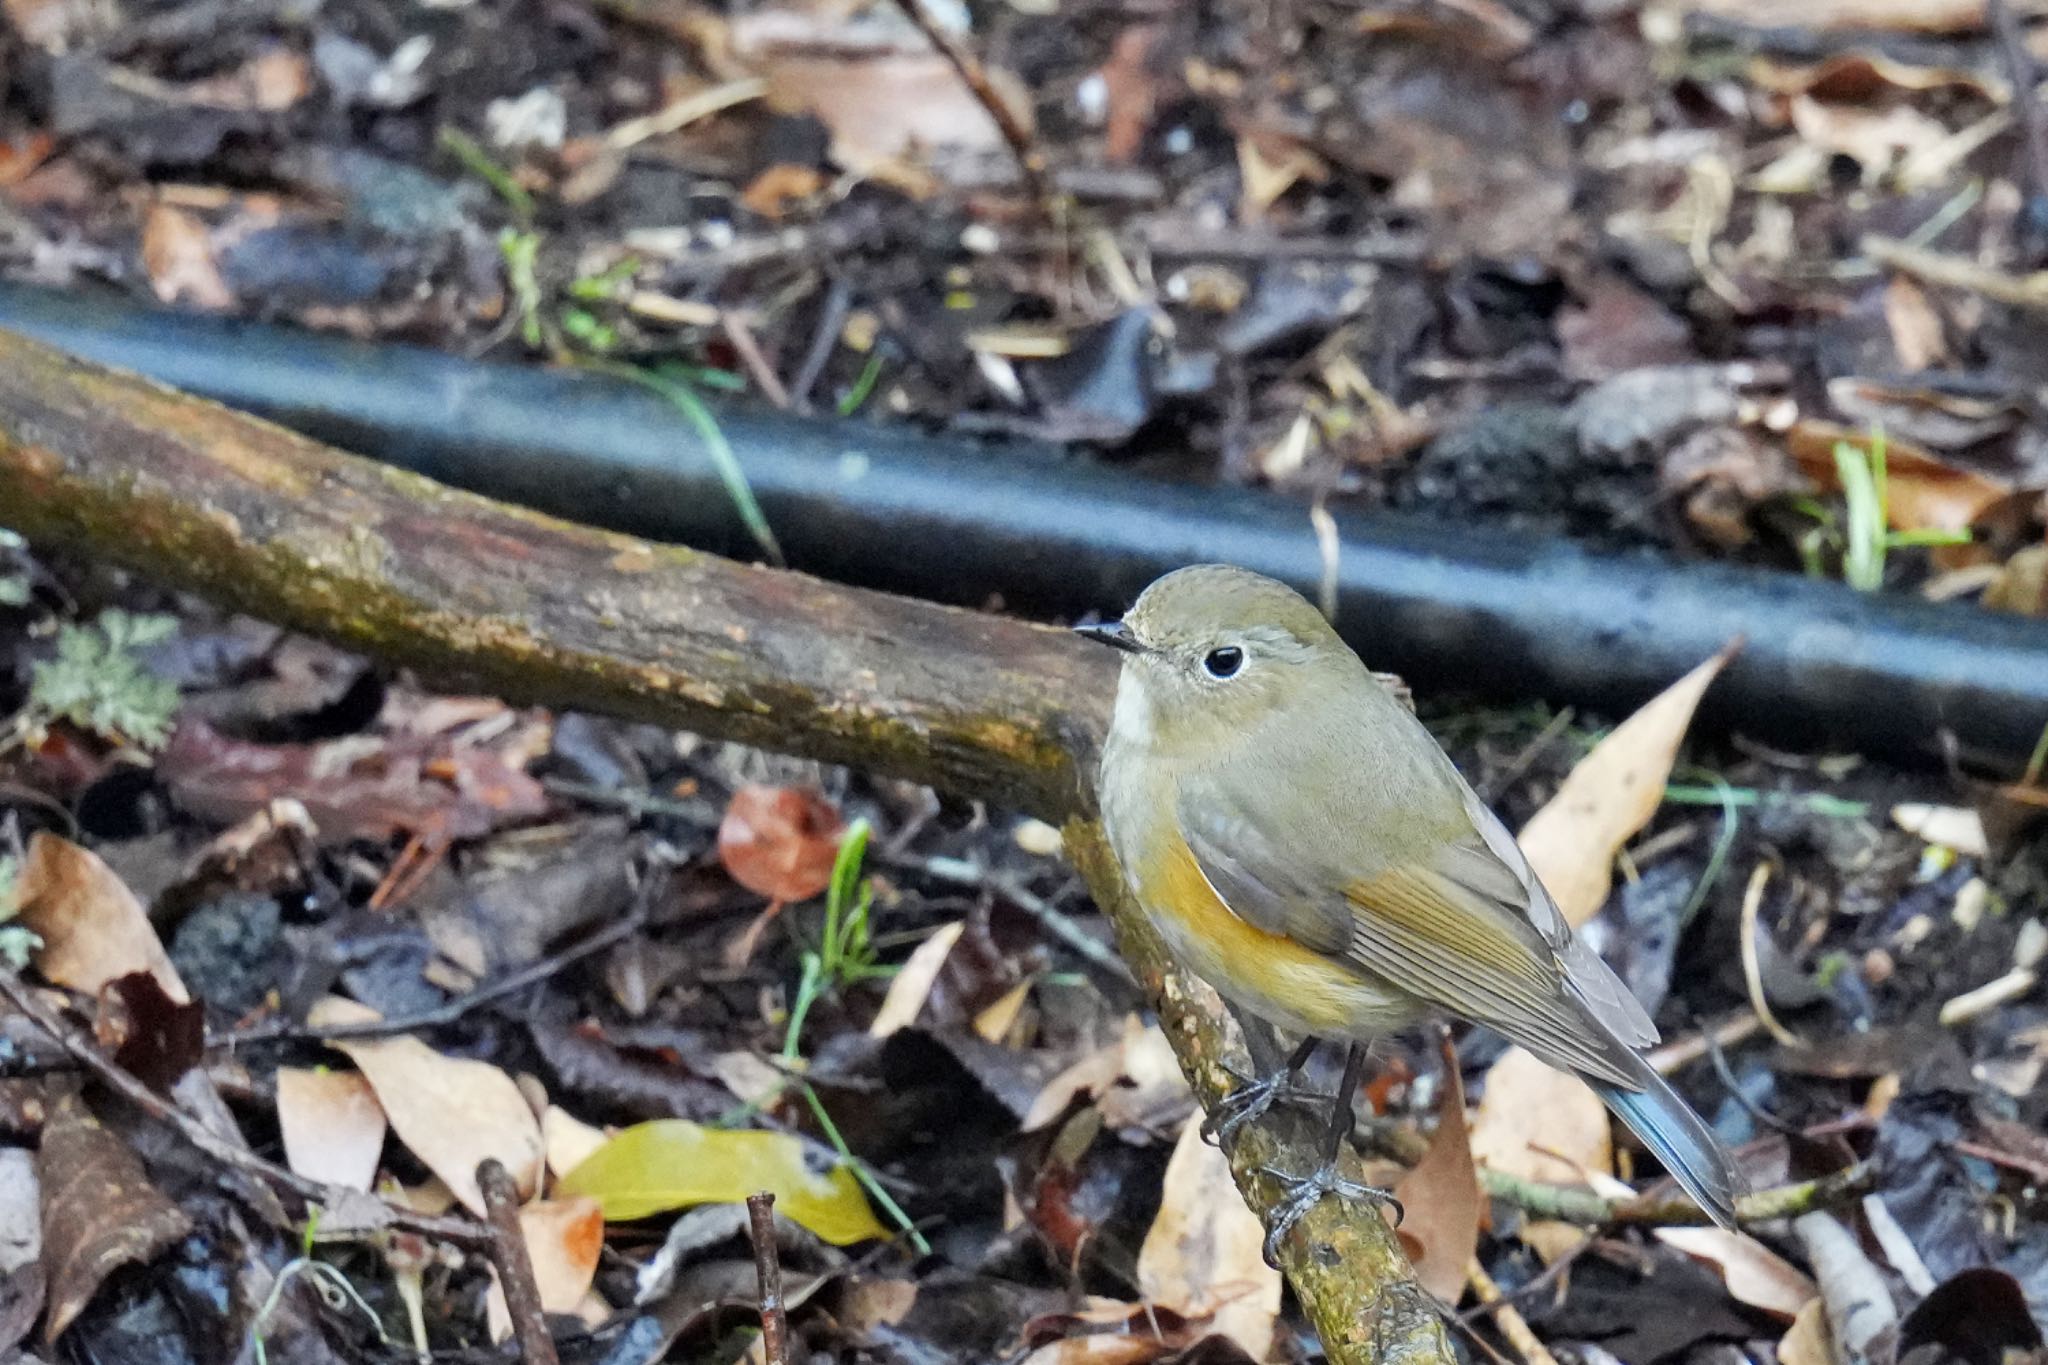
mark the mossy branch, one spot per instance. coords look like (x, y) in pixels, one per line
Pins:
(477, 593)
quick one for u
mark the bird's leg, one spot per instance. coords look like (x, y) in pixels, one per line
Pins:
(1255, 1095)
(1304, 1192)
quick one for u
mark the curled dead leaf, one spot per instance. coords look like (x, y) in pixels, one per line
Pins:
(1204, 1255)
(1610, 795)
(93, 928)
(1441, 1196)
(780, 842)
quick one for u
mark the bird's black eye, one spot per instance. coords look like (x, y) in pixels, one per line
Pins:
(1224, 662)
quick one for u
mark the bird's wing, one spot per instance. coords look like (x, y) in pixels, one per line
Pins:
(1469, 932)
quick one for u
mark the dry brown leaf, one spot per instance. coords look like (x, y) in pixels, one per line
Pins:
(1755, 1274)
(1875, 139)
(1610, 795)
(1912, 16)
(912, 984)
(1918, 337)
(1957, 827)
(568, 1139)
(1807, 1341)
(780, 842)
(450, 1112)
(332, 1125)
(1204, 1256)
(177, 250)
(1922, 492)
(94, 930)
(993, 1025)
(1440, 1194)
(100, 1211)
(563, 1238)
(1538, 1123)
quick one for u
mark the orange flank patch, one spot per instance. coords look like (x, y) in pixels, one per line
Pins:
(1270, 974)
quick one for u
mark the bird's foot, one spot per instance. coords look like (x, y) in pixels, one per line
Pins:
(1304, 1192)
(1250, 1101)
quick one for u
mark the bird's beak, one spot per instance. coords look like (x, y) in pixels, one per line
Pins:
(1115, 634)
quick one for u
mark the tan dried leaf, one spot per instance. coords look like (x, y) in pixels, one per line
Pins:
(1755, 1274)
(93, 928)
(1611, 795)
(177, 251)
(563, 1238)
(332, 1125)
(1441, 1197)
(1538, 1123)
(912, 984)
(450, 1112)
(1204, 1257)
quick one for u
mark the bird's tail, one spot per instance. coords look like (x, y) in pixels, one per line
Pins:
(1680, 1138)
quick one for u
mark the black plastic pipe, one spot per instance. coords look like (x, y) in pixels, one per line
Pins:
(1472, 609)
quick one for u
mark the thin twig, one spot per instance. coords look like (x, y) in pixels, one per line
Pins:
(1511, 1323)
(285, 1031)
(1752, 967)
(452, 1231)
(962, 872)
(515, 1264)
(684, 112)
(824, 340)
(1580, 1205)
(768, 1270)
(754, 358)
(1029, 159)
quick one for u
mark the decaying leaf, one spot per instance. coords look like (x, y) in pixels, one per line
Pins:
(1610, 795)
(1922, 491)
(563, 1238)
(450, 1112)
(1135, 1080)
(1204, 1255)
(569, 1140)
(100, 1211)
(154, 1038)
(1754, 1273)
(93, 928)
(1539, 1123)
(1957, 827)
(332, 1125)
(912, 986)
(669, 1164)
(177, 250)
(1806, 1341)
(1921, 16)
(1441, 1196)
(780, 842)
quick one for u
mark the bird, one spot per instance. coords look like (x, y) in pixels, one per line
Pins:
(1303, 844)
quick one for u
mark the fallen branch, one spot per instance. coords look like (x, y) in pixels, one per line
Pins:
(477, 593)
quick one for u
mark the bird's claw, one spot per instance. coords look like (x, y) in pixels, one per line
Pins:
(1304, 1192)
(1250, 1101)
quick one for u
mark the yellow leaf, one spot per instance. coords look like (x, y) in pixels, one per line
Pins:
(1610, 795)
(669, 1164)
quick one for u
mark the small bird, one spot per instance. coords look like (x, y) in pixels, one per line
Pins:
(1303, 844)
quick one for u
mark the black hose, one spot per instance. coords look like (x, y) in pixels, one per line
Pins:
(1471, 609)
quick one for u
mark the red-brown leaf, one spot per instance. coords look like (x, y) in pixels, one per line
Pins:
(780, 841)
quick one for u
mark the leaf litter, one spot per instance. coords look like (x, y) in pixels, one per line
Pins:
(1642, 275)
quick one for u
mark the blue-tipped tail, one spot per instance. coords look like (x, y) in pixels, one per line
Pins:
(1681, 1140)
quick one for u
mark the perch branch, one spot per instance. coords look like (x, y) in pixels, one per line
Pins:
(476, 593)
